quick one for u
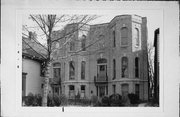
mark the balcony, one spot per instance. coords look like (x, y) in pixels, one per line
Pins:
(55, 81)
(100, 79)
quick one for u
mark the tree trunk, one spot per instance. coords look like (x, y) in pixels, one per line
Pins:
(46, 84)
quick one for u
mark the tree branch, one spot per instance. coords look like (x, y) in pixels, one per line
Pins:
(41, 27)
(37, 42)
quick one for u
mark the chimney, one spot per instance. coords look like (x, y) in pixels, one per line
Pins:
(30, 35)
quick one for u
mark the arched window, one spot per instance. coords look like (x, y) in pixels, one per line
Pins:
(101, 60)
(83, 43)
(124, 68)
(56, 70)
(136, 67)
(83, 66)
(71, 70)
(124, 36)
(136, 36)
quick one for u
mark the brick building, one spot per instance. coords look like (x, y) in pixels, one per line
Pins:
(103, 59)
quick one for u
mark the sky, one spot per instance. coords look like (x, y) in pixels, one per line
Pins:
(154, 20)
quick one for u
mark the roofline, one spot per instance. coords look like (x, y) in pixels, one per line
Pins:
(35, 57)
(100, 24)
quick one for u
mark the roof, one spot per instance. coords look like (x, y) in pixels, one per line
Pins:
(32, 50)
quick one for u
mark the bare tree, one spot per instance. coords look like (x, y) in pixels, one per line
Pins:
(151, 68)
(47, 24)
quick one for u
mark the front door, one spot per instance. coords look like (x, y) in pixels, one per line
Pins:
(56, 90)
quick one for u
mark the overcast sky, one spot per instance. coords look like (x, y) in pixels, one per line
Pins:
(154, 20)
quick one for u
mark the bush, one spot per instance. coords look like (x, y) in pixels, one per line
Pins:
(134, 99)
(115, 100)
(37, 100)
(50, 101)
(29, 100)
(56, 100)
(32, 100)
(85, 102)
(105, 101)
(94, 100)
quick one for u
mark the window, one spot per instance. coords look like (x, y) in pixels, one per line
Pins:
(136, 36)
(114, 39)
(56, 90)
(97, 91)
(83, 65)
(72, 46)
(114, 89)
(125, 89)
(124, 67)
(64, 69)
(136, 67)
(124, 36)
(102, 60)
(71, 91)
(71, 70)
(137, 89)
(83, 43)
(57, 70)
(106, 90)
(102, 67)
(82, 91)
(114, 69)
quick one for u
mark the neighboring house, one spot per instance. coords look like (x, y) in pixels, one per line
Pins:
(103, 59)
(156, 64)
(32, 63)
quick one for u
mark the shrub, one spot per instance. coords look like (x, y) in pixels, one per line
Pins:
(94, 100)
(32, 100)
(134, 99)
(105, 101)
(56, 100)
(125, 100)
(37, 100)
(50, 101)
(29, 99)
(115, 100)
(85, 102)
